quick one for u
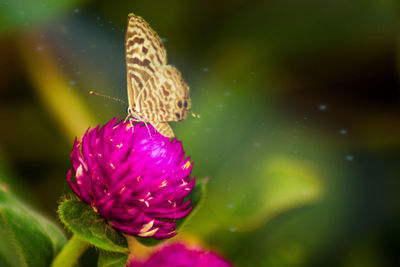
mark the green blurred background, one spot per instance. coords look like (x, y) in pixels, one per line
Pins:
(300, 116)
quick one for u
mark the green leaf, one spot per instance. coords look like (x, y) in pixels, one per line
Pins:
(246, 199)
(108, 259)
(289, 183)
(26, 238)
(196, 197)
(83, 221)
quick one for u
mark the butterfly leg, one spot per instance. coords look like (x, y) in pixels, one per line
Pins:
(148, 130)
(130, 113)
(163, 128)
(127, 118)
(132, 117)
(131, 121)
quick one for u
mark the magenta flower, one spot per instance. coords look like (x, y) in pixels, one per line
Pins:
(135, 180)
(178, 255)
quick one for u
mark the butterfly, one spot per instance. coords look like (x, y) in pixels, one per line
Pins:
(157, 93)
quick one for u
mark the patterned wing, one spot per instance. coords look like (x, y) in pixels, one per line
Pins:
(165, 97)
(163, 128)
(145, 54)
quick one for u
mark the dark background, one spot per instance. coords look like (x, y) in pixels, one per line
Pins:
(300, 116)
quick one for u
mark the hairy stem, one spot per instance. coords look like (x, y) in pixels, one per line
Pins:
(70, 252)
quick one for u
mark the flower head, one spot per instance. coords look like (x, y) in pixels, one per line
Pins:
(133, 177)
(179, 255)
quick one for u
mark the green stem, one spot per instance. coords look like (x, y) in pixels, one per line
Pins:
(70, 252)
(132, 243)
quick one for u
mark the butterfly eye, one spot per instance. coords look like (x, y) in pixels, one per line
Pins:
(180, 104)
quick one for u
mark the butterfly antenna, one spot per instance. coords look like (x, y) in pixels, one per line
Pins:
(107, 96)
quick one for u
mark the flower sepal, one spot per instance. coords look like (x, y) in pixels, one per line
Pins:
(84, 222)
(111, 259)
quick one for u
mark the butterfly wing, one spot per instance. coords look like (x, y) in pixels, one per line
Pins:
(163, 128)
(165, 97)
(157, 92)
(145, 54)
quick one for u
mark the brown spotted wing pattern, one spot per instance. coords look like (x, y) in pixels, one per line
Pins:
(157, 92)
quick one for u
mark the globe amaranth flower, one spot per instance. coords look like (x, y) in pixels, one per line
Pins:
(179, 255)
(133, 177)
